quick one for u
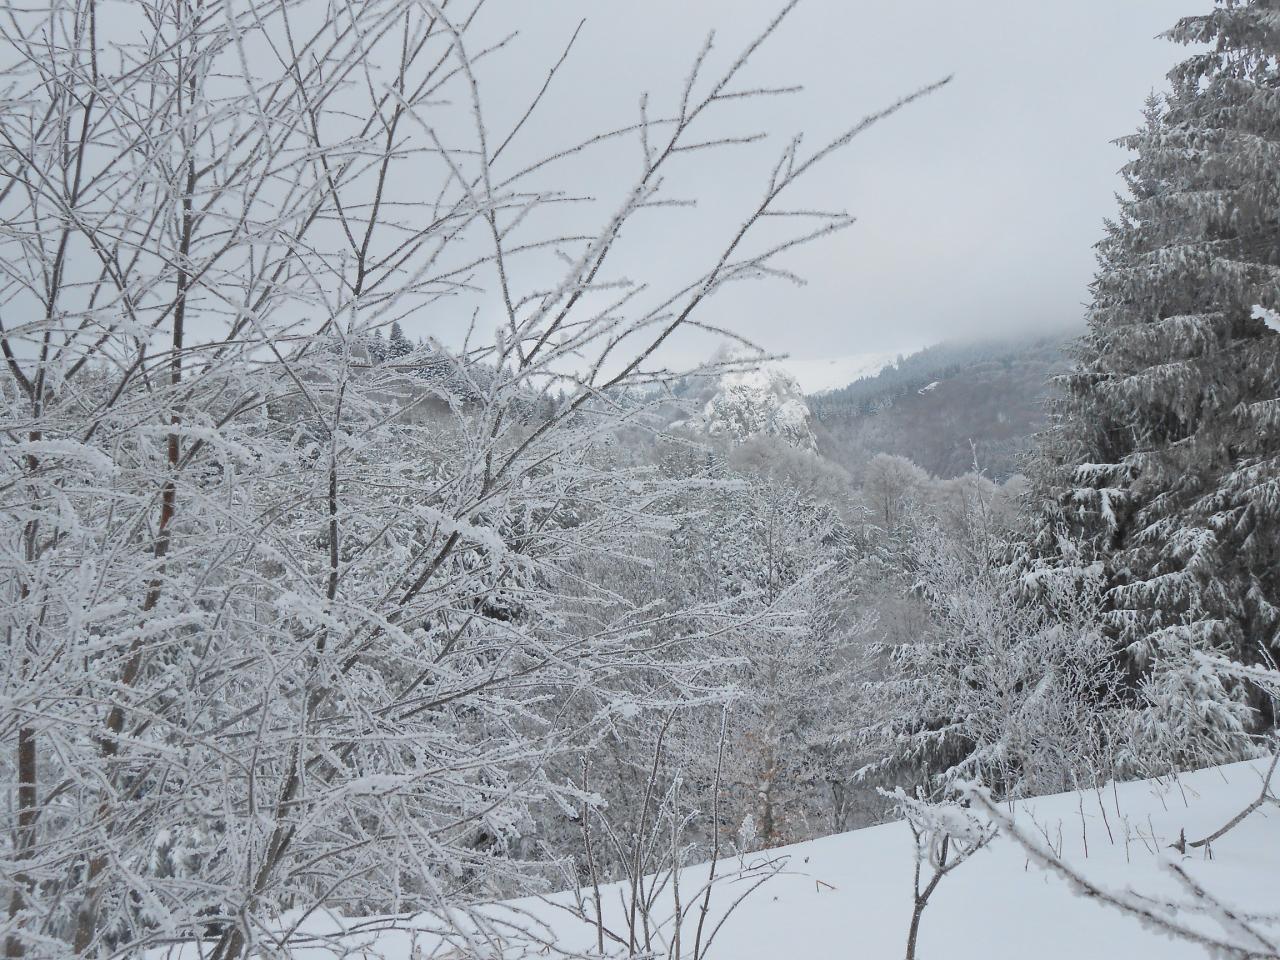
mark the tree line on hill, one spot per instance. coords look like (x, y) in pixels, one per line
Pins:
(952, 407)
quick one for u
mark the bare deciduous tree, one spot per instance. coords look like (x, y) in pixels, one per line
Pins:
(284, 612)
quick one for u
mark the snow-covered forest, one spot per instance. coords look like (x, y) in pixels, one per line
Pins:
(330, 634)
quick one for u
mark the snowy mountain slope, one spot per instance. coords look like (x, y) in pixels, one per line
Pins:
(833, 373)
(849, 896)
(941, 406)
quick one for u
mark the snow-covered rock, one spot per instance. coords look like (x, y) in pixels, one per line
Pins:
(765, 402)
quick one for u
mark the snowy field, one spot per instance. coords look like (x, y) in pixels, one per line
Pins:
(850, 896)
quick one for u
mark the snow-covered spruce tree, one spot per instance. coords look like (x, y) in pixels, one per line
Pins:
(1163, 461)
(1018, 694)
(376, 346)
(287, 629)
(398, 344)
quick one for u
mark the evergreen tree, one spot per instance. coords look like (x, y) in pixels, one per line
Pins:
(398, 344)
(377, 347)
(1019, 695)
(1166, 450)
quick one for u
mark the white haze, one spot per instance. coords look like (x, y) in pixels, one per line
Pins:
(977, 208)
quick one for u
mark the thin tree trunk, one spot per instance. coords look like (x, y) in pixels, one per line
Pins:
(87, 915)
(25, 840)
(26, 763)
(922, 897)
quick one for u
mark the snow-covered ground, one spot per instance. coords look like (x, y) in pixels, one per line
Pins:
(850, 896)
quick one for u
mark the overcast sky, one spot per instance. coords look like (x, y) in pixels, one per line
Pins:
(978, 207)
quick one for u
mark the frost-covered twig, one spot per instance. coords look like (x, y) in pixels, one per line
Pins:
(1264, 797)
(945, 835)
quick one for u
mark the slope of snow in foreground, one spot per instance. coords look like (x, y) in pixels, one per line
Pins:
(850, 896)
